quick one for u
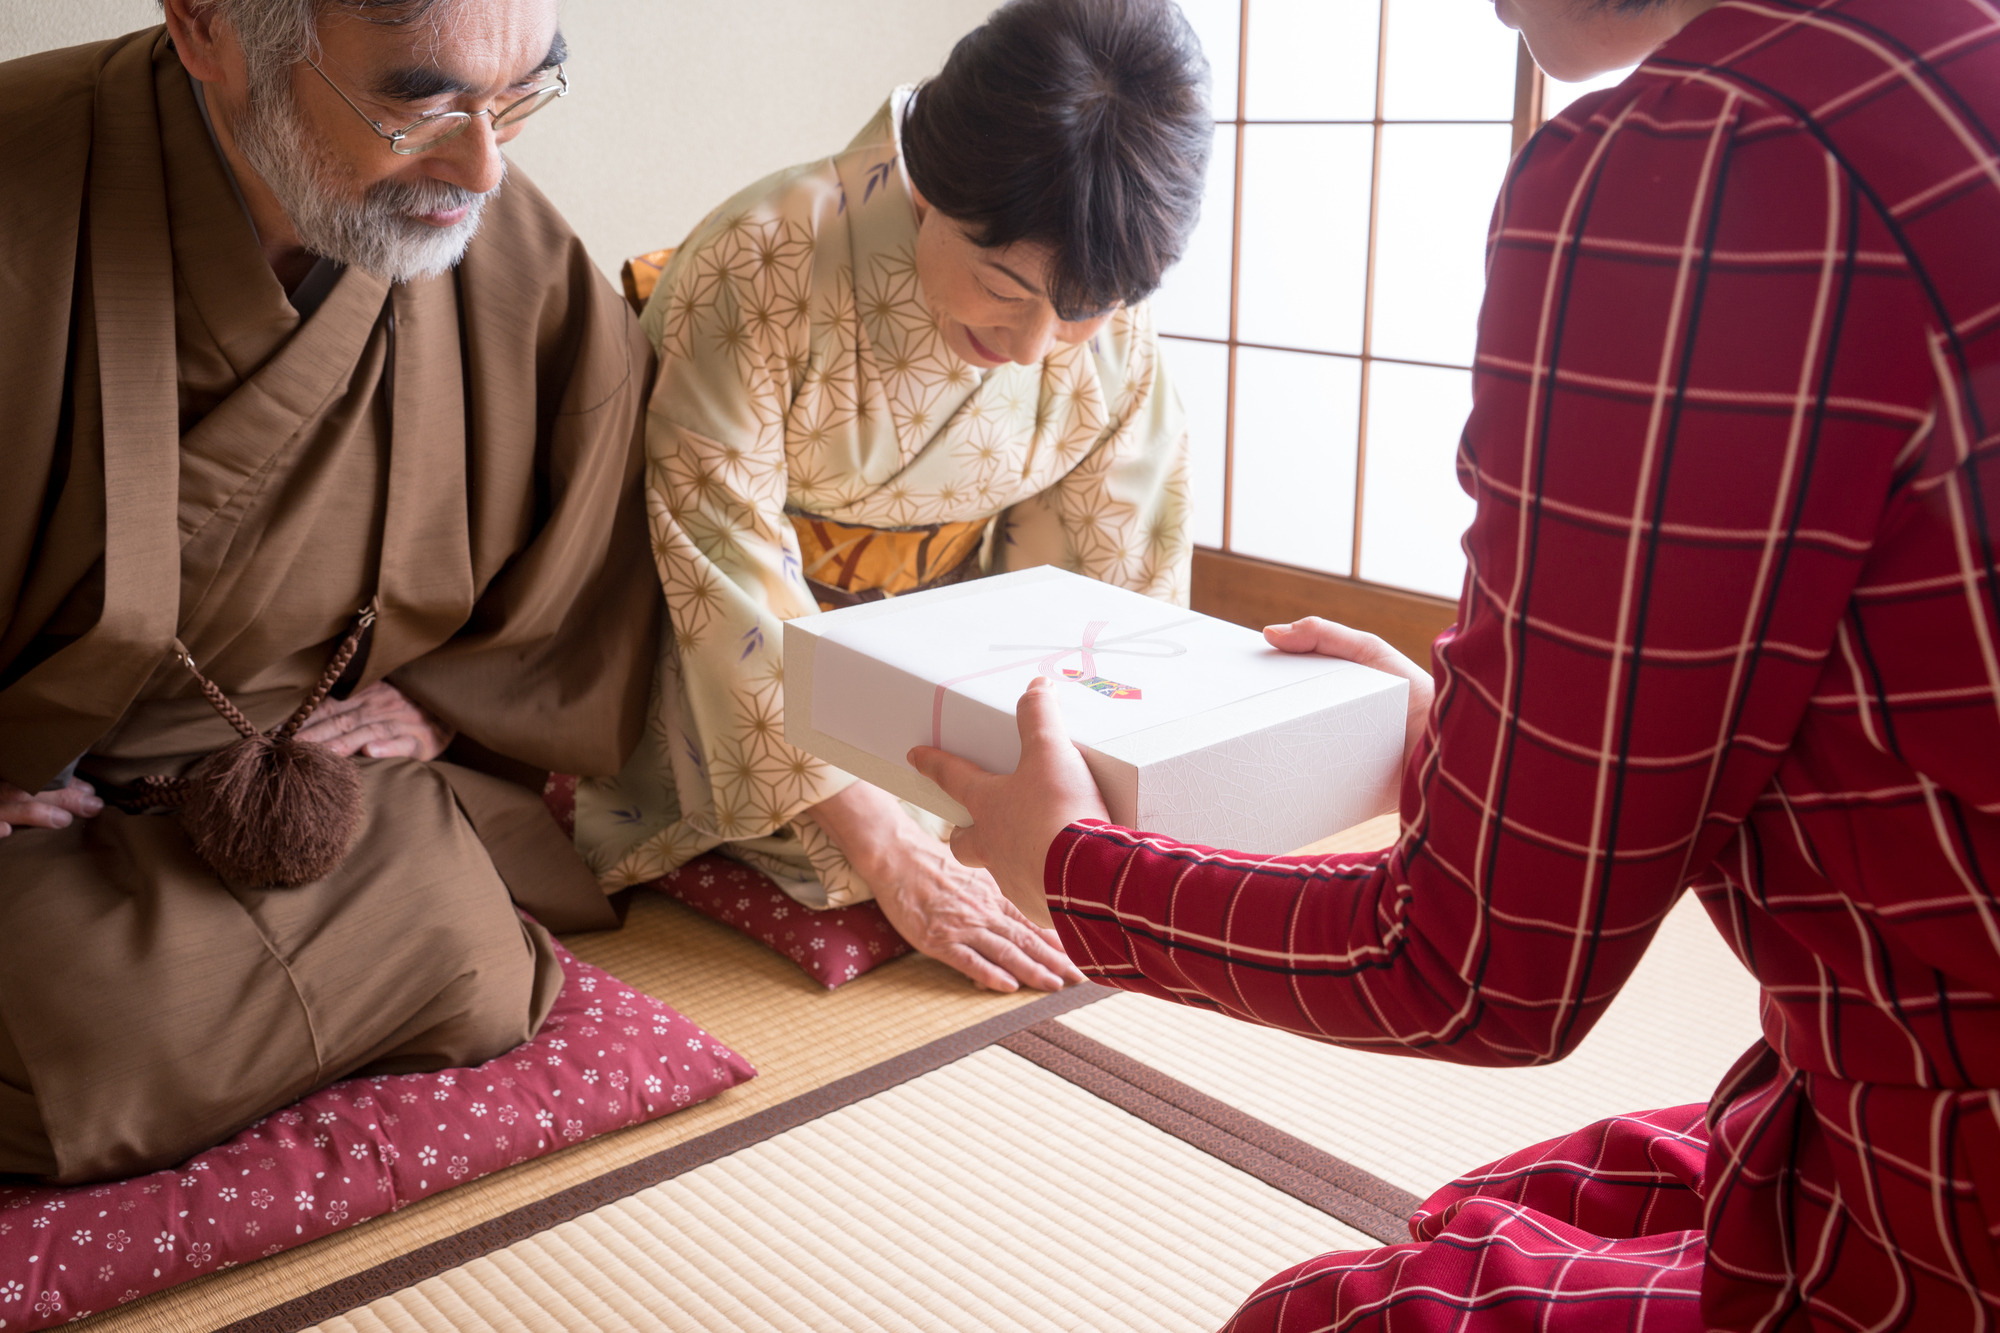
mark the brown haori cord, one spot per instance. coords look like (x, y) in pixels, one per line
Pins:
(269, 810)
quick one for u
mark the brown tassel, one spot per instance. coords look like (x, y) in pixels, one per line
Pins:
(272, 810)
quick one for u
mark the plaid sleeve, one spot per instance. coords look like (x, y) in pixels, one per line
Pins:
(1699, 362)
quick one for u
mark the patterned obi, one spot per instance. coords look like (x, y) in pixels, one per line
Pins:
(846, 565)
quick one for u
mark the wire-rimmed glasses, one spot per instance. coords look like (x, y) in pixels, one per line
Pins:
(427, 132)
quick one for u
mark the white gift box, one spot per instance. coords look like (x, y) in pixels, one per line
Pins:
(1193, 727)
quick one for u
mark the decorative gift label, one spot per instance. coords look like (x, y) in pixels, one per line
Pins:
(1111, 689)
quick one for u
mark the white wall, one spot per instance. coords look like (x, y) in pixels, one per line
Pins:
(678, 103)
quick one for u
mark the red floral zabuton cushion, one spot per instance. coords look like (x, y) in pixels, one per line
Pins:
(607, 1056)
(834, 946)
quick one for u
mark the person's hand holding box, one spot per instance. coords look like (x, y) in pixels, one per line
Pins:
(1016, 816)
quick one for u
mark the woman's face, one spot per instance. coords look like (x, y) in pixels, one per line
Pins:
(991, 305)
(1573, 40)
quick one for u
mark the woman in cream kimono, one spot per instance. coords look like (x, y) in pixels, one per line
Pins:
(920, 360)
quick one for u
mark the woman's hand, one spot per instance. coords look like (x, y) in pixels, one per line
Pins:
(380, 722)
(1016, 816)
(1328, 639)
(59, 808)
(954, 914)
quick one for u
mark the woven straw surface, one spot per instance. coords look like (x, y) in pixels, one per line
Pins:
(1688, 1012)
(803, 1037)
(798, 1035)
(988, 1195)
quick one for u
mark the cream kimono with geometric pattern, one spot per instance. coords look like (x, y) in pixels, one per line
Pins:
(801, 372)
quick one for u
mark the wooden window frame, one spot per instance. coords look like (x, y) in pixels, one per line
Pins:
(1256, 592)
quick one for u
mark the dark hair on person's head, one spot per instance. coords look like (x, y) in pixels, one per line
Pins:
(1083, 125)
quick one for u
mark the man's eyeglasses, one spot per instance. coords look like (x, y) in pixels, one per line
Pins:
(427, 132)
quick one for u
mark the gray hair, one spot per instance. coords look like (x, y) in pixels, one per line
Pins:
(380, 229)
(281, 32)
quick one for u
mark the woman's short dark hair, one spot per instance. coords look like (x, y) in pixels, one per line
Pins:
(1080, 124)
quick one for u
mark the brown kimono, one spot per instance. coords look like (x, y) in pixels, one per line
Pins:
(186, 457)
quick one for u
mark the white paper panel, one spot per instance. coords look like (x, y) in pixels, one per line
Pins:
(1448, 60)
(1413, 511)
(1219, 25)
(1200, 371)
(1194, 298)
(1556, 96)
(1297, 418)
(1438, 187)
(1305, 235)
(1313, 59)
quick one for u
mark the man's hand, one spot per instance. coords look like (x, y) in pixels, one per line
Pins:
(380, 722)
(1016, 816)
(1328, 639)
(47, 809)
(952, 913)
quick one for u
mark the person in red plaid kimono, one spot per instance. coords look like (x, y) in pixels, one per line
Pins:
(1731, 622)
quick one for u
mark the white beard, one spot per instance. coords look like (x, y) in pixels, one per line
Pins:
(381, 231)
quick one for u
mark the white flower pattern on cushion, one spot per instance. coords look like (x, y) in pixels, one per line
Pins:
(341, 1156)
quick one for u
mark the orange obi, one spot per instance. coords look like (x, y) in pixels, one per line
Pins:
(846, 565)
(641, 274)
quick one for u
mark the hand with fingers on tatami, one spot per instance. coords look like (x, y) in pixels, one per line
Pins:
(948, 909)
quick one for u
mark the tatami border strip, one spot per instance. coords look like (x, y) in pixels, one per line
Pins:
(443, 1255)
(1344, 1191)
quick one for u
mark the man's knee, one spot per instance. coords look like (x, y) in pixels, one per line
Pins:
(24, 1142)
(190, 1008)
(506, 980)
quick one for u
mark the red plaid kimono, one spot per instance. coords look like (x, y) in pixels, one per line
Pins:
(1732, 621)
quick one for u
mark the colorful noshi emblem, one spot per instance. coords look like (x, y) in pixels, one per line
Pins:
(1110, 689)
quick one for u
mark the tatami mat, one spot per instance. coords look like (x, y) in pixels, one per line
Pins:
(1689, 1010)
(799, 1036)
(988, 1195)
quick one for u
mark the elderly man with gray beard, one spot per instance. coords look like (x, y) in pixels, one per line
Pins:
(323, 455)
